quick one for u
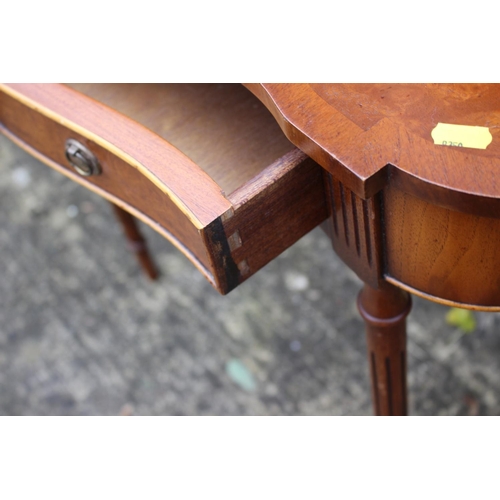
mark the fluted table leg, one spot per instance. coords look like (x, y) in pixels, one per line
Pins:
(384, 311)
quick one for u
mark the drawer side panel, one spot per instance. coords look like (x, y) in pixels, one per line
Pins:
(274, 211)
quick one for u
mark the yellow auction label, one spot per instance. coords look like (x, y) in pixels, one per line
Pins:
(461, 136)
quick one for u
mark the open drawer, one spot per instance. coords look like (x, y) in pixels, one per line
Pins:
(205, 165)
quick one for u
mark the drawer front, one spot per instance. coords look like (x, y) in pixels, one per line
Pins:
(228, 239)
(119, 182)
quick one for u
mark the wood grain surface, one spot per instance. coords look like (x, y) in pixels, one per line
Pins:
(434, 224)
(274, 210)
(275, 192)
(45, 138)
(163, 164)
(446, 254)
(355, 228)
(357, 132)
(384, 311)
(223, 128)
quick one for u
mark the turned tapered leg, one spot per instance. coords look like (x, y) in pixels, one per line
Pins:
(384, 311)
(135, 241)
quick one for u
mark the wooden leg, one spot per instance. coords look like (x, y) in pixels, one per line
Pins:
(384, 311)
(135, 241)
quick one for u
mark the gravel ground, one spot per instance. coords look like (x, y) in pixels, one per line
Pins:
(83, 332)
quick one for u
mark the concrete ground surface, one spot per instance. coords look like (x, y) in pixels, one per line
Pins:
(83, 332)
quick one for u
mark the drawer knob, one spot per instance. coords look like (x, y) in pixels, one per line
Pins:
(81, 159)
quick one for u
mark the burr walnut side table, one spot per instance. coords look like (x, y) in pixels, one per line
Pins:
(403, 178)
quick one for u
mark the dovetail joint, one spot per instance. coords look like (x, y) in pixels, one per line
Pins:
(244, 267)
(234, 241)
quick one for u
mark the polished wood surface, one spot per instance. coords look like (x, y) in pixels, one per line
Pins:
(355, 228)
(403, 209)
(269, 211)
(362, 133)
(121, 182)
(157, 160)
(451, 255)
(233, 184)
(221, 127)
(249, 175)
(405, 213)
(384, 311)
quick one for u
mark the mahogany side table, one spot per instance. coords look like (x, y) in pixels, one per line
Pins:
(411, 175)
(209, 168)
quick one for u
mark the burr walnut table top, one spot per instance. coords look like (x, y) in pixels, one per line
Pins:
(414, 180)
(364, 133)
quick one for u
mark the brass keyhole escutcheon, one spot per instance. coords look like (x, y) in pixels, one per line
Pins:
(82, 159)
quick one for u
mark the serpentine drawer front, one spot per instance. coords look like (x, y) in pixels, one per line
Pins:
(205, 165)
